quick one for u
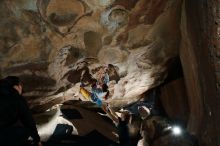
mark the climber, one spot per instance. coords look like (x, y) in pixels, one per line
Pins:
(16, 122)
(98, 95)
(123, 130)
(99, 85)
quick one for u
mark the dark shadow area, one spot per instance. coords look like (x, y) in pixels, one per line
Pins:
(151, 100)
(174, 70)
(62, 137)
(174, 94)
(71, 114)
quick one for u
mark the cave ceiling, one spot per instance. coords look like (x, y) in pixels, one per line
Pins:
(49, 43)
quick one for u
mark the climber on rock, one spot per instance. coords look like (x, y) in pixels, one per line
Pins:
(99, 93)
(99, 86)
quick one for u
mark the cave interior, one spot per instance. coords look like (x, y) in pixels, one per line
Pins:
(160, 55)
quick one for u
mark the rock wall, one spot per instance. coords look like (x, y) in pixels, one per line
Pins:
(175, 101)
(52, 45)
(49, 44)
(198, 58)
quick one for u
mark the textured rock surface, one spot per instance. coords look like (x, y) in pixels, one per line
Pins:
(49, 43)
(198, 38)
(175, 92)
(81, 117)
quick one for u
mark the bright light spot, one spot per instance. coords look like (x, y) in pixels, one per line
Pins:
(176, 130)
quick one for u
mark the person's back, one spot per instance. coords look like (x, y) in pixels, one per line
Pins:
(8, 107)
(123, 131)
(16, 122)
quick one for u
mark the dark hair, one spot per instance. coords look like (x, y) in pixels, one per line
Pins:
(125, 116)
(3, 83)
(104, 87)
(93, 83)
(12, 81)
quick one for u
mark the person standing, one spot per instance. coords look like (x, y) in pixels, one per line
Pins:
(16, 122)
(123, 130)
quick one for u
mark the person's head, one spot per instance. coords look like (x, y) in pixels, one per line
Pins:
(126, 116)
(14, 82)
(143, 111)
(93, 83)
(104, 87)
(106, 69)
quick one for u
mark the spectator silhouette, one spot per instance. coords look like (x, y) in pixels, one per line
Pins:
(16, 122)
(123, 130)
